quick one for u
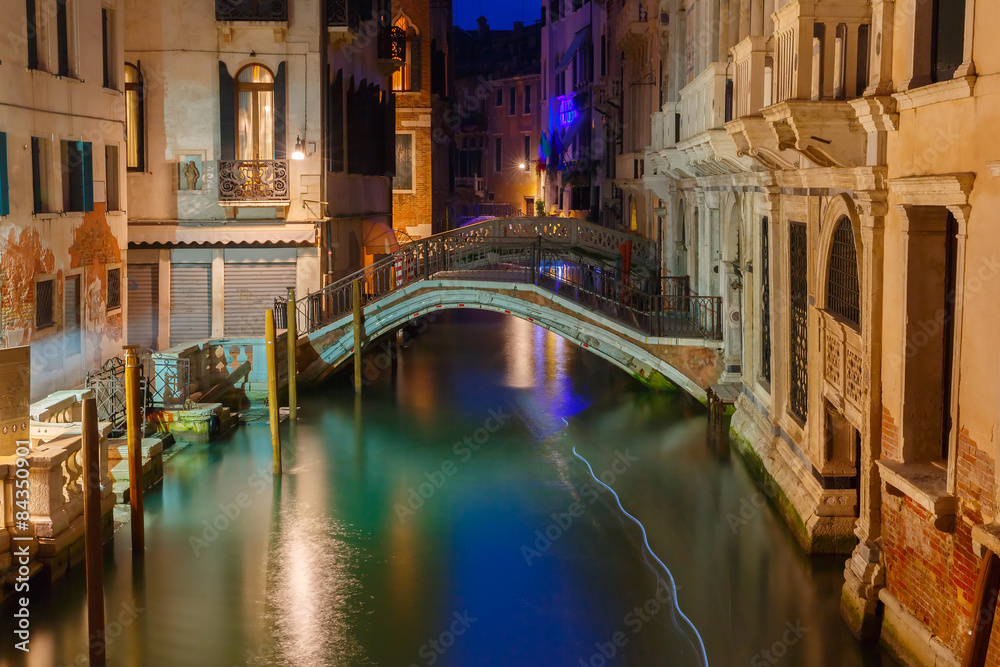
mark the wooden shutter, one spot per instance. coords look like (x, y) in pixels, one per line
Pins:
(280, 111)
(390, 134)
(337, 123)
(415, 56)
(227, 113)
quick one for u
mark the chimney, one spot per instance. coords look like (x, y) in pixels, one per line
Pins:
(484, 27)
(518, 25)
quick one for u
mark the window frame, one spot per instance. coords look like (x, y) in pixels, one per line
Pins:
(135, 89)
(51, 323)
(498, 154)
(107, 288)
(527, 98)
(255, 89)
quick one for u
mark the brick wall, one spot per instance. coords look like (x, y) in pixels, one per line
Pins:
(890, 437)
(933, 573)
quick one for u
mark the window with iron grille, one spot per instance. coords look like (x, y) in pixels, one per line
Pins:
(765, 302)
(843, 294)
(114, 289)
(45, 304)
(799, 308)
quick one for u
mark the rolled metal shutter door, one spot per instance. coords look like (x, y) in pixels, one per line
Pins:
(251, 288)
(143, 304)
(190, 303)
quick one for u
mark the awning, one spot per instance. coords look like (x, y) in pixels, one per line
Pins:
(222, 233)
(380, 238)
(573, 48)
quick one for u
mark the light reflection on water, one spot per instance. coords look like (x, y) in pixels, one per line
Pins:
(321, 569)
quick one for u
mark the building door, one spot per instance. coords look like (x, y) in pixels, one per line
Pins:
(252, 284)
(143, 304)
(529, 207)
(190, 303)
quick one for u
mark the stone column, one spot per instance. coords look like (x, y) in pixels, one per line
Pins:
(880, 48)
(744, 19)
(756, 17)
(864, 574)
(724, 36)
(778, 252)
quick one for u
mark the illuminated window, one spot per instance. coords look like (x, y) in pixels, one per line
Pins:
(135, 131)
(255, 113)
(407, 78)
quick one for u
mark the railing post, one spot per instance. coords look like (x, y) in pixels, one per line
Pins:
(134, 434)
(272, 390)
(292, 339)
(427, 260)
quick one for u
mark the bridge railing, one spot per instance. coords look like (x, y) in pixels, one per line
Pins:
(670, 310)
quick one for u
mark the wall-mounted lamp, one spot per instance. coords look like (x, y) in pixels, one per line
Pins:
(300, 149)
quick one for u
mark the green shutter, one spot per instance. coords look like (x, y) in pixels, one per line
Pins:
(4, 177)
(87, 175)
(227, 113)
(415, 55)
(280, 113)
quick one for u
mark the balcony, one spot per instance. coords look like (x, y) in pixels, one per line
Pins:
(474, 183)
(629, 170)
(392, 44)
(253, 184)
(633, 25)
(608, 94)
(251, 10)
(704, 148)
(820, 50)
(345, 16)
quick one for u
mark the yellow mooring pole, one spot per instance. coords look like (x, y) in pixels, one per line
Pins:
(359, 334)
(132, 411)
(293, 339)
(93, 534)
(272, 389)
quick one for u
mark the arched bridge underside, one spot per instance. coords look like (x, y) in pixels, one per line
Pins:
(691, 363)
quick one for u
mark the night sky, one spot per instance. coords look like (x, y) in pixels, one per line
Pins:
(500, 13)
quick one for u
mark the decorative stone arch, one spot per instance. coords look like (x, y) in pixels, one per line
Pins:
(844, 393)
(840, 207)
(410, 25)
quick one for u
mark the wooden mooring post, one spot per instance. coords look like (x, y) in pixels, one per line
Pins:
(133, 408)
(93, 535)
(272, 389)
(292, 340)
(359, 334)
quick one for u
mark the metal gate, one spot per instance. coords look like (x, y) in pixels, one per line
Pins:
(164, 382)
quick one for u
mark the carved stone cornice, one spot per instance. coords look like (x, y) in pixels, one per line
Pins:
(938, 190)
(876, 114)
(753, 138)
(826, 132)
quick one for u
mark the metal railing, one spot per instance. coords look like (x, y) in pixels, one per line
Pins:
(168, 379)
(164, 382)
(632, 300)
(253, 181)
(392, 43)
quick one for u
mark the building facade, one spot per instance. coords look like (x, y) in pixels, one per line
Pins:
(821, 174)
(421, 187)
(62, 187)
(576, 59)
(263, 159)
(497, 120)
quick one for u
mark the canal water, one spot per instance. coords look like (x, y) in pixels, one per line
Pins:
(452, 517)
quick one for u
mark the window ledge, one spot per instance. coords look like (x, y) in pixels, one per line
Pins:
(927, 485)
(113, 91)
(942, 91)
(46, 216)
(985, 537)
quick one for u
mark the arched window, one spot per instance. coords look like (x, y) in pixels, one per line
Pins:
(255, 113)
(843, 291)
(407, 78)
(135, 131)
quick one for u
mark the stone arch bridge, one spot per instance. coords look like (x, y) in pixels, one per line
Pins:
(595, 287)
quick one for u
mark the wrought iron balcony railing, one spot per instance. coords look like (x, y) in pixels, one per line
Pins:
(392, 44)
(251, 10)
(253, 182)
(347, 13)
